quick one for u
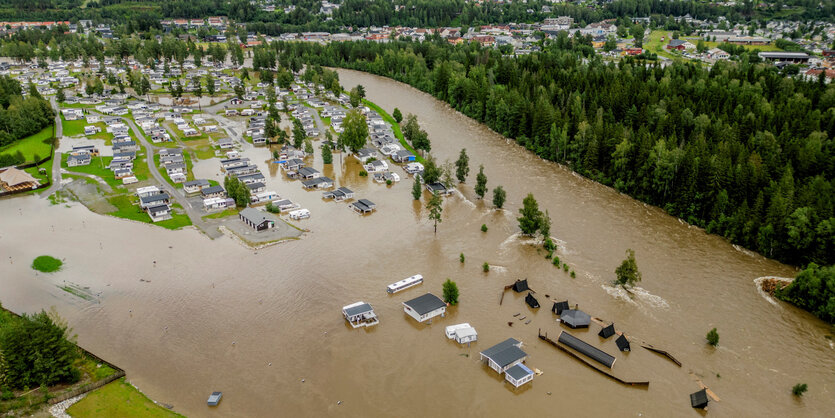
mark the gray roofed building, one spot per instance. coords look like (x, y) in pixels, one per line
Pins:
(425, 307)
(575, 318)
(587, 349)
(504, 355)
(153, 200)
(213, 191)
(256, 219)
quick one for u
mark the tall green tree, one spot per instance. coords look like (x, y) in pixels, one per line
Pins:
(462, 166)
(450, 290)
(355, 131)
(210, 85)
(416, 190)
(499, 197)
(531, 218)
(627, 273)
(480, 182)
(327, 155)
(397, 115)
(299, 134)
(435, 206)
(36, 351)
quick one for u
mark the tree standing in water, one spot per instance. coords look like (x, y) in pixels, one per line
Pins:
(435, 209)
(499, 196)
(416, 192)
(627, 273)
(462, 166)
(480, 182)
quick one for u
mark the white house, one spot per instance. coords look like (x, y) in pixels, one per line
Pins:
(518, 375)
(424, 308)
(504, 355)
(360, 314)
(461, 333)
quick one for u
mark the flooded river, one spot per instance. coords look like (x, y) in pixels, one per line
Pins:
(265, 326)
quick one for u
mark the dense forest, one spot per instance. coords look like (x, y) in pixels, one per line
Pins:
(737, 149)
(19, 116)
(145, 14)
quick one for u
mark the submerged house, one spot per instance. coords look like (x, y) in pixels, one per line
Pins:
(518, 375)
(504, 355)
(363, 206)
(461, 333)
(360, 314)
(424, 308)
(699, 399)
(608, 331)
(622, 343)
(575, 318)
(520, 286)
(559, 307)
(531, 301)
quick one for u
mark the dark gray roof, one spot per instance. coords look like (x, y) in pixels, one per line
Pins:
(520, 286)
(212, 190)
(256, 185)
(699, 399)
(158, 208)
(308, 171)
(368, 203)
(608, 331)
(356, 310)
(592, 352)
(154, 198)
(575, 318)
(425, 304)
(198, 182)
(505, 352)
(623, 343)
(254, 215)
(519, 371)
(559, 307)
(531, 301)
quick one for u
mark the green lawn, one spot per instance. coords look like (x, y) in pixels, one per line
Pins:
(128, 208)
(769, 47)
(118, 399)
(73, 127)
(223, 214)
(39, 144)
(395, 127)
(97, 167)
(656, 45)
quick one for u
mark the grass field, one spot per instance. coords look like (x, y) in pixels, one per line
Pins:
(39, 144)
(126, 208)
(769, 47)
(223, 214)
(395, 127)
(97, 167)
(118, 399)
(46, 264)
(73, 127)
(656, 45)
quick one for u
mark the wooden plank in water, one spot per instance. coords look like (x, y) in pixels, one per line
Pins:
(663, 353)
(565, 350)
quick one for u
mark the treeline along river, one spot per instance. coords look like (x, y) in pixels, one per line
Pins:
(738, 149)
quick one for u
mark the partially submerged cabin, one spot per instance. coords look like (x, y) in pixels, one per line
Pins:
(214, 398)
(559, 307)
(587, 349)
(520, 286)
(461, 333)
(575, 318)
(504, 355)
(360, 314)
(622, 343)
(607, 331)
(518, 375)
(531, 301)
(423, 308)
(363, 206)
(699, 399)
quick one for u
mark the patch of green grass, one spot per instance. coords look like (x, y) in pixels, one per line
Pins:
(97, 167)
(118, 399)
(44, 177)
(223, 214)
(75, 291)
(39, 144)
(127, 208)
(73, 127)
(46, 264)
(769, 47)
(395, 127)
(658, 46)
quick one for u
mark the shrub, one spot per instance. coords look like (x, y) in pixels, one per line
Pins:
(565, 267)
(461, 258)
(483, 227)
(549, 245)
(485, 267)
(47, 264)
(363, 173)
(556, 261)
(799, 389)
(388, 182)
(572, 274)
(272, 208)
(712, 337)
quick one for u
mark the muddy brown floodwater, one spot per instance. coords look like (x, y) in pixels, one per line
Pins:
(265, 326)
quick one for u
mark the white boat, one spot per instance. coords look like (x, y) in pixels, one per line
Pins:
(405, 283)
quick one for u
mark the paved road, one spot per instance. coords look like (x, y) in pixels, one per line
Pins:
(56, 158)
(195, 215)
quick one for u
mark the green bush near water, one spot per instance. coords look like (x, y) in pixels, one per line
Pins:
(46, 264)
